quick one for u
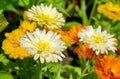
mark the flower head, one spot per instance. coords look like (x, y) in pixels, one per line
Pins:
(45, 16)
(84, 51)
(73, 33)
(99, 41)
(108, 67)
(46, 45)
(112, 11)
(11, 44)
(70, 36)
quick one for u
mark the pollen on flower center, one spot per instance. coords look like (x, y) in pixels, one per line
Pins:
(98, 39)
(46, 17)
(43, 46)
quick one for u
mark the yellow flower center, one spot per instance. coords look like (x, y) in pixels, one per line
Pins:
(98, 39)
(43, 46)
(46, 18)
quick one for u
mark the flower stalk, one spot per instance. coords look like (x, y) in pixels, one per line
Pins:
(84, 14)
(39, 68)
(93, 10)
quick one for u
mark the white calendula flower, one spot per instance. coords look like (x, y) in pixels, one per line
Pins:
(46, 16)
(44, 45)
(100, 41)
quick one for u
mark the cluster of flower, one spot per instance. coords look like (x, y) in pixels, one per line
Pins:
(40, 36)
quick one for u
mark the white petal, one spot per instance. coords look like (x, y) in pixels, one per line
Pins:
(36, 56)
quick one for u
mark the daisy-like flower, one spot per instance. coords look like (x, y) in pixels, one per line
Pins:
(44, 45)
(100, 41)
(111, 10)
(108, 67)
(45, 16)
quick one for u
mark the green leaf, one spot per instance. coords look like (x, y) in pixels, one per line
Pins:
(58, 75)
(70, 7)
(92, 75)
(74, 69)
(3, 59)
(3, 22)
(1, 11)
(53, 67)
(71, 76)
(10, 7)
(4, 3)
(5, 75)
(23, 2)
(61, 9)
(7, 63)
(75, 72)
(61, 6)
(26, 3)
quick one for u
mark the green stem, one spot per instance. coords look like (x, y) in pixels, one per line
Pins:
(84, 14)
(93, 10)
(40, 68)
(39, 74)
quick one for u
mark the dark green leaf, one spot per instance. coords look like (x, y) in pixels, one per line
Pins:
(3, 22)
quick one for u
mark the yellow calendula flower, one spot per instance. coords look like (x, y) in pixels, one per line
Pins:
(11, 44)
(27, 26)
(112, 11)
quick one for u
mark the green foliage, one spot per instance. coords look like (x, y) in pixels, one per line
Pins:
(74, 72)
(92, 75)
(1, 11)
(6, 2)
(3, 59)
(5, 75)
(3, 22)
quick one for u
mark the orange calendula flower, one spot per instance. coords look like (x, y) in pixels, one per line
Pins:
(108, 67)
(73, 33)
(84, 51)
(70, 36)
(11, 45)
(112, 11)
